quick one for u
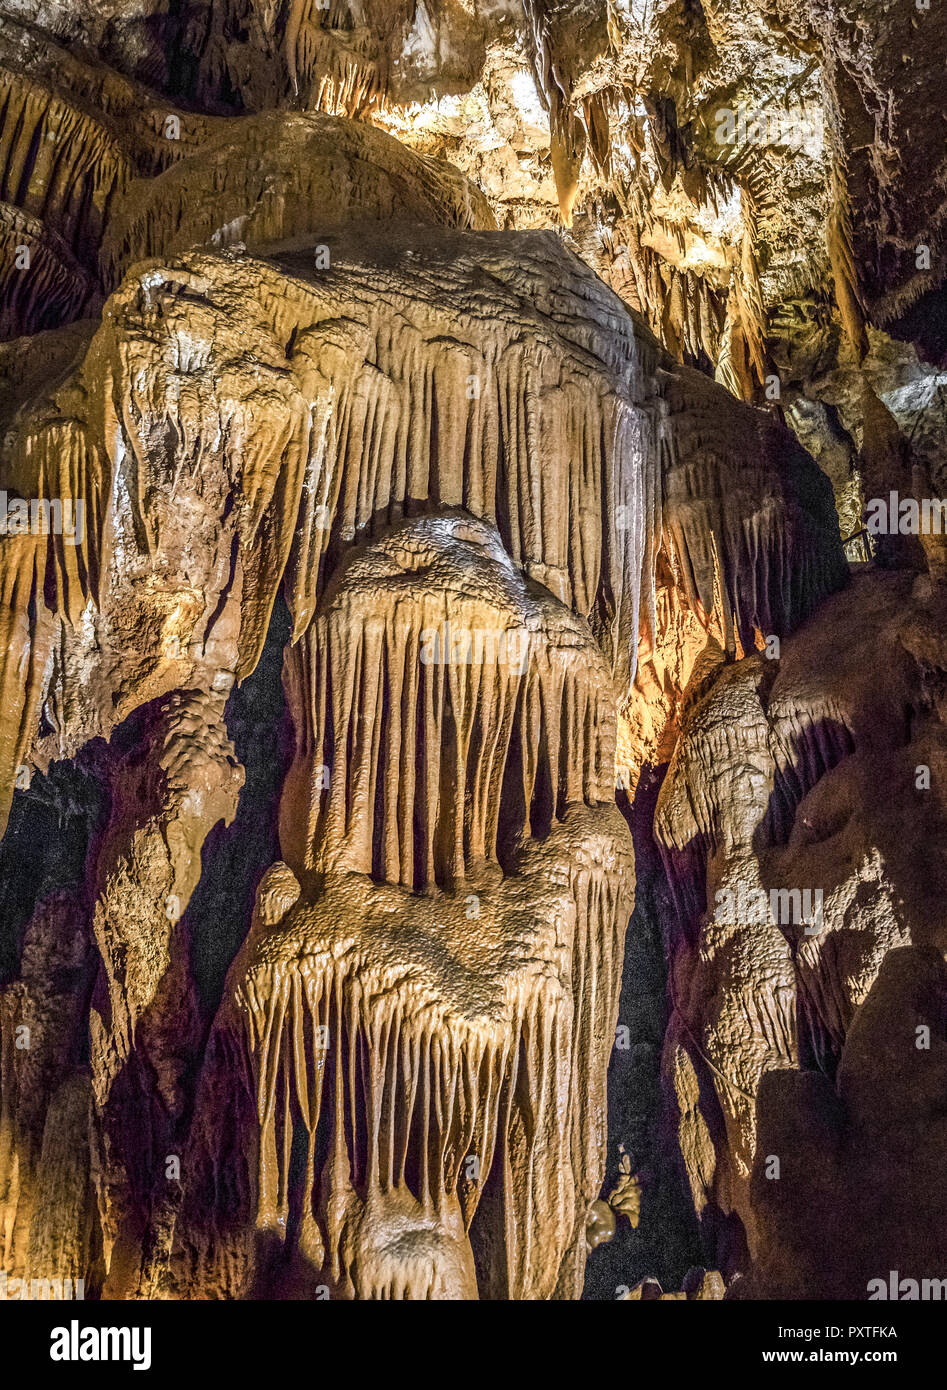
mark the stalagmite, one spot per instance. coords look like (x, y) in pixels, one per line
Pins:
(186, 780)
(463, 816)
(432, 1014)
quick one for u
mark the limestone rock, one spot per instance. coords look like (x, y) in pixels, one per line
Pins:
(427, 651)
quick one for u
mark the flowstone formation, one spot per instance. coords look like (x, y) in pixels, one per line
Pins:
(794, 903)
(470, 752)
(427, 991)
(489, 411)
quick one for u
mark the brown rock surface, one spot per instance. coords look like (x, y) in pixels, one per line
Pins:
(403, 549)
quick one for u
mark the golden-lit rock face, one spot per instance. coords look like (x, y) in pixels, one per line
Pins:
(441, 962)
(429, 436)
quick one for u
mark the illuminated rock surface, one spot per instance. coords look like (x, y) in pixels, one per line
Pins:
(444, 682)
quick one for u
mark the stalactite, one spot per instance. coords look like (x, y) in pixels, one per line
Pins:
(522, 669)
(838, 234)
(57, 162)
(571, 439)
(277, 178)
(751, 311)
(433, 785)
(595, 111)
(567, 132)
(27, 634)
(50, 289)
(72, 138)
(436, 426)
(683, 309)
(313, 56)
(125, 113)
(761, 591)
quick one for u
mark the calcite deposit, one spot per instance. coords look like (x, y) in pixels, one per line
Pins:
(470, 754)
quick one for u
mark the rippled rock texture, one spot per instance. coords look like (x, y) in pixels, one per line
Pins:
(465, 820)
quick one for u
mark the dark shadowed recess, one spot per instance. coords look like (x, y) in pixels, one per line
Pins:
(51, 838)
(925, 325)
(161, 50)
(235, 857)
(665, 1243)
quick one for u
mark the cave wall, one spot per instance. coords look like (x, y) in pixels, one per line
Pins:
(463, 421)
